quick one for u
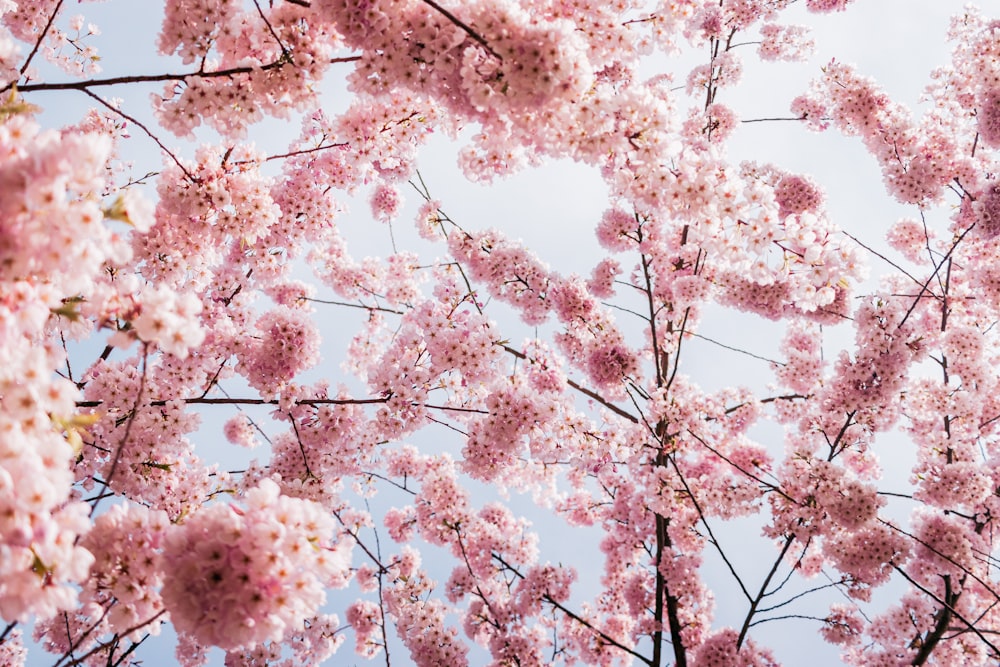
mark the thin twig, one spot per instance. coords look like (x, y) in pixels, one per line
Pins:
(469, 31)
(155, 78)
(106, 482)
(38, 42)
(191, 177)
(250, 401)
(583, 390)
(735, 349)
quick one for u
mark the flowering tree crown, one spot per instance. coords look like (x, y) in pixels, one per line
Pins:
(128, 317)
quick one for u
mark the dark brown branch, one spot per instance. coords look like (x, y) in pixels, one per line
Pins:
(306, 151)
(708, 528)
(458, 22)
(966, 572)
(155, 78)
(944, 615)
(883, 258)
(735, 349)
(123, 633)
(767, 485)
(251, 401)
(270, 28)
(302, 446)
(937, 270)
(763, 591)
(106, 483)
(814, 589)
(771, 399)
(767, 120)
(840, 436)
(583, 390)
(660, 370)
(611, 641)
(353, 305)
(191, 177)
(38, 42)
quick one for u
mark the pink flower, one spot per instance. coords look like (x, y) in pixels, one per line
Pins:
(239, 577)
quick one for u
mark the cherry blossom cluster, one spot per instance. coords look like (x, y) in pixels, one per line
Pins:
(512, 62)
(252, 63)
(285, 344)
(65, 44)
(200, 214)
(325, 443)
(165, 319)
(314, 642)
(126, 574)
(242, 576)
(122, 595)
(722, 650)
(12, 650)
(140, 448)
(785, 42)
(591, 339)
(497, 440)
(420, 622)
(55, 248)
(917, 159)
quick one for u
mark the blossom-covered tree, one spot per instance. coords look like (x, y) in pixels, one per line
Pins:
(384, 510)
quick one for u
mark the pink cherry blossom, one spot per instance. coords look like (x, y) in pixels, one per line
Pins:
(237, 577)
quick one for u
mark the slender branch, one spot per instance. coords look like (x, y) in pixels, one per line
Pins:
(357, 540)
(768, 120)
(156, 78)
(448, 426)
(580, 388)
(677, 352)
(123, 633)
(882, 257)
(106, 482)
(768, 485)
(763, 591)
(814, 589)
(302, 446)
(966, 572)
(840, 436)
(582, 621)
(458, 22)
(306, 151)
(352, 305)
(76, 642)
(270, 28)
(251, 401)
(191, 177)
(38, 42)
(600, 633)
(937, 269)
(771, 399)
(788, 617)
(381, 594)
(735, 349)
(704, 521)
(652, 321)
(454, 408)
